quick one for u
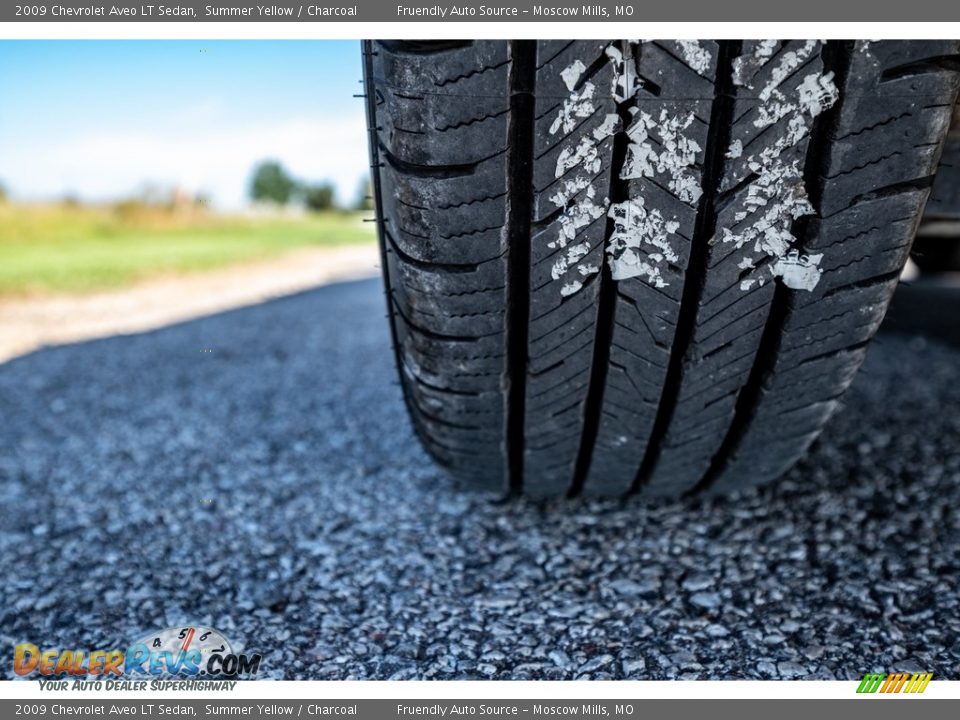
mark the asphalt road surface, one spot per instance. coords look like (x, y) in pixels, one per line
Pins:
(272, 488)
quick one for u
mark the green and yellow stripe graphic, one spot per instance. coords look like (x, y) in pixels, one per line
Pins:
(894, 682)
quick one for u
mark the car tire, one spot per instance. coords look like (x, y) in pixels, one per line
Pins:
(616, 267)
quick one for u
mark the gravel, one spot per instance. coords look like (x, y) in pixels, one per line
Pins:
(272, 488)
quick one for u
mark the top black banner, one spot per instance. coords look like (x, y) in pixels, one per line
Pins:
(473, 11)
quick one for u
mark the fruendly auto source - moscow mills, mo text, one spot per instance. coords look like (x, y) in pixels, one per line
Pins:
(508, 11)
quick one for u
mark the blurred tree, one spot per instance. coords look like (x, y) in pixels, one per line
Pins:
(271, 183)
(318, 197)
(3, 193)
(364, 199)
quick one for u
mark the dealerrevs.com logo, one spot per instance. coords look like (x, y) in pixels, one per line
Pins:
(190, 651)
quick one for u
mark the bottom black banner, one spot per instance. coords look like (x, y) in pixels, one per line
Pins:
(786, 709)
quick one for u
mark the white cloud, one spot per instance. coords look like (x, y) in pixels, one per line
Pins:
(100, 165)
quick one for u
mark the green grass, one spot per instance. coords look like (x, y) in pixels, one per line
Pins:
(76, 249)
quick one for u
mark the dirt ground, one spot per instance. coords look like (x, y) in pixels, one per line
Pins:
(27, 324)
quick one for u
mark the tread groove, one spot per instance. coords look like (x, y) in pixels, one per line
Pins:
(606, 306)
(717, 143)
(523, 69)
(837, 62)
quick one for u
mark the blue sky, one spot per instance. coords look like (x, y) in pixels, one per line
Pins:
(100, 119)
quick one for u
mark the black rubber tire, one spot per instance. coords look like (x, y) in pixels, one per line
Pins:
(699, 353)
(937, 247)
(944, 203)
